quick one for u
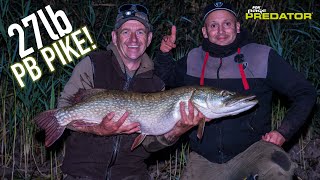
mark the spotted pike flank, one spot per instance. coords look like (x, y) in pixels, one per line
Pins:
(157, 113)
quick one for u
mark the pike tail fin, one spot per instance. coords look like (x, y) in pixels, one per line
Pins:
(201, 125)
(47, 121)
(138, 141)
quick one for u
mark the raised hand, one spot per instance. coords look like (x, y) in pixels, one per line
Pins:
(168, 41)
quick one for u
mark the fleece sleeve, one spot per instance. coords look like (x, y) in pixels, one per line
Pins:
(170, 71)
(301, 94)
(82, 77)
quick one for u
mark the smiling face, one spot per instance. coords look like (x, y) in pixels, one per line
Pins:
(221, 27)
(131, 40)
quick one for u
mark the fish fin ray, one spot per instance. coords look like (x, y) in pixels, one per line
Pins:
(201, 125)
(137, 141)
(47, 121)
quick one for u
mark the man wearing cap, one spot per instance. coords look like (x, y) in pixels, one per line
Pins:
(103, 151)
(240, 146)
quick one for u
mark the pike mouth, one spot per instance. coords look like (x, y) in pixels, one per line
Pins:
(237, 106)
(247, 100)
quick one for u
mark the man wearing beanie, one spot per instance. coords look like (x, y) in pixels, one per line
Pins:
(240, 146)
(102, 152)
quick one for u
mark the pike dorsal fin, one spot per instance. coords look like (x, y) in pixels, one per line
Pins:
(83, 94)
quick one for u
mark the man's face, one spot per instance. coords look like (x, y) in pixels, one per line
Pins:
(131, 39)
(221, 27)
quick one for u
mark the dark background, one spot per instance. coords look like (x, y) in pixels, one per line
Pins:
(22, 153)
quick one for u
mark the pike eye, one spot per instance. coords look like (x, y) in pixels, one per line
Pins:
(226, 93)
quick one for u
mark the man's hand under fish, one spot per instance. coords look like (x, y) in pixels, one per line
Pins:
(107, 127)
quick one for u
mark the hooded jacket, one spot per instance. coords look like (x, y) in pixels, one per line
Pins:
(266, 72)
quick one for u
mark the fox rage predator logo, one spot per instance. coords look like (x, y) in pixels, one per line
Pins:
(257, 13)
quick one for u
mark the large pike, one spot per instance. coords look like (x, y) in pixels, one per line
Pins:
(157, 113)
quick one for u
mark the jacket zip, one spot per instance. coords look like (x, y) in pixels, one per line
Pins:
(220, 133)
(220, 144)
(117, 138)
(218, 71)
(116, 147)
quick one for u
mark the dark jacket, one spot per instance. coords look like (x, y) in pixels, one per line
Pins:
(108, 157)
(265, 71)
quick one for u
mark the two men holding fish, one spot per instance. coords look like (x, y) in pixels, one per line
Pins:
(230, 148)
(239, 146)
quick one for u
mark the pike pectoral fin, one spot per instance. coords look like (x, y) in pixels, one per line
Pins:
(138, 141)
(47, 121)
(201, 125)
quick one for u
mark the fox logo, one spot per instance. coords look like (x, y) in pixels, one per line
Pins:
(218, 4)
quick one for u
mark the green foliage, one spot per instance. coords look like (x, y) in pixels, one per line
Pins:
(24, 157)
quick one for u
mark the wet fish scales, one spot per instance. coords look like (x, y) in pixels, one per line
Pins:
(157, 113)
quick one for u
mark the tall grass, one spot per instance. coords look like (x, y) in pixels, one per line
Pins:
(298, 43)
(23, 155)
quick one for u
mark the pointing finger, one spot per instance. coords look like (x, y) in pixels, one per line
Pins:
(173, 34)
